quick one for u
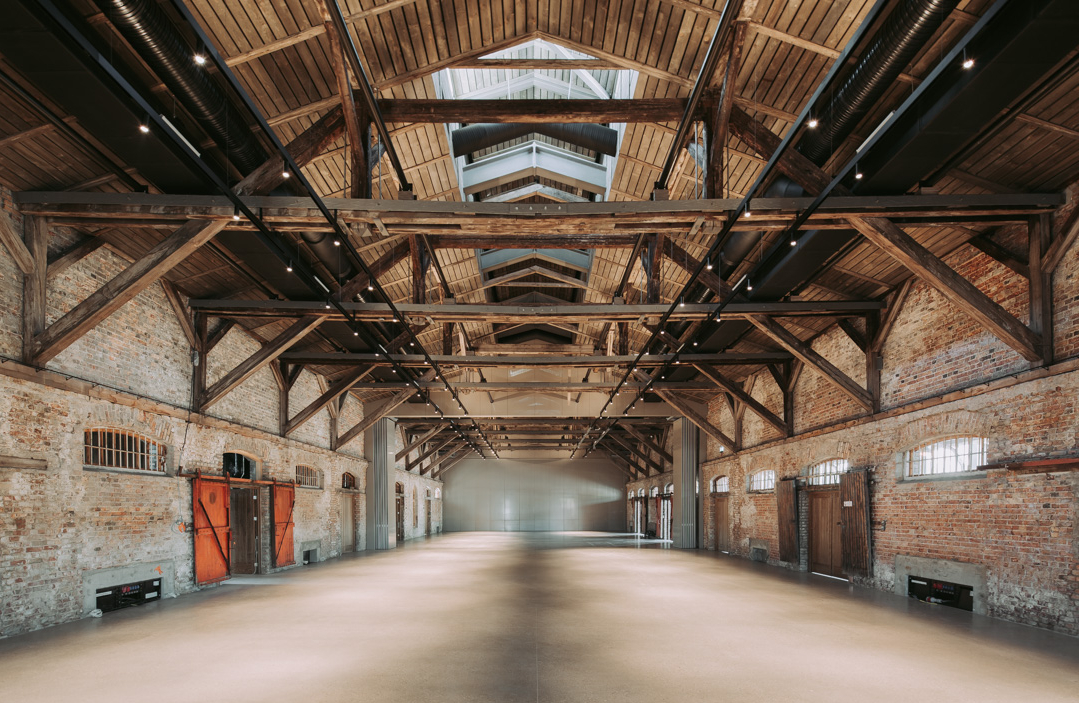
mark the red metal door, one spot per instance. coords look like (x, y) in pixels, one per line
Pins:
(213, 537)
(283, 502)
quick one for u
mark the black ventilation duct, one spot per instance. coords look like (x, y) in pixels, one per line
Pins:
(150, 32)
(475, 137)
(900, 37)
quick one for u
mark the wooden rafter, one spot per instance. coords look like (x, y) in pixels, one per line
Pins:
(810, 356)
(259, 360)
(337, 389)
(423, 439)
(380, 412)
(689, 413)
(743, 397)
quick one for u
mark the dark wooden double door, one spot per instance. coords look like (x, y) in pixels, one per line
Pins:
(838, 525)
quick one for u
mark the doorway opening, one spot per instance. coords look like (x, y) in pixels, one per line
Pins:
(400, 492)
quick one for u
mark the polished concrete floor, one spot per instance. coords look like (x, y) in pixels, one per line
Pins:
(560, 618)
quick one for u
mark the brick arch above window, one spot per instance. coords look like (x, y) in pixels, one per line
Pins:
(119, 448)
(826, 473)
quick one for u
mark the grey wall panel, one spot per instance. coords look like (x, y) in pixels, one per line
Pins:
(518, 496)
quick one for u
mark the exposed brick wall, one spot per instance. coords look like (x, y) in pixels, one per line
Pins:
(1023, 528)
(817, 401)
(60, 523)
(253, 402)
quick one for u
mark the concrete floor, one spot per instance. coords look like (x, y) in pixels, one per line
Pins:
(560, 618)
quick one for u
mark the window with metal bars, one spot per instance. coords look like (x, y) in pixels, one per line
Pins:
(348, 481)
(764, 480)
(721, 484)
(307, 477)
(106, 448)
(826, 473)
(952, 455)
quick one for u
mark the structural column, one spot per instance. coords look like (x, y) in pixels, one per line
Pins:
(378, 450)
(686, 499)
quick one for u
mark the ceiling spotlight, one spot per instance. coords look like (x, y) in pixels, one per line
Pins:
(286, 174)
(747, 213)
(337, 242)
(289, 267)
(394, 320)
(794, 241)
(694, 344)
(858, 175)
(355, 333)
(236, 214)
(749, 284)
(327, 306)
(681, 302)
(200, 59)
(411, 344)
(144, 129)
(370, 287)
(708, 263)
(968, 64)
(812, 124)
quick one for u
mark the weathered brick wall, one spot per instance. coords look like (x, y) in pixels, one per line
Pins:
(63, 522)
(1023, 528)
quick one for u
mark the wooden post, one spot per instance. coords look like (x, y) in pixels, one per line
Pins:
(1041, 289)
(198, 359)
(33, 302)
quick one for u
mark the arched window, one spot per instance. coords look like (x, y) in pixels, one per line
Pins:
(826, 473)
(348, 480)
(308, 477)
(721, 484)
(438, 493)
(399, 489)
(236, 465)
(764, 480)
(106, 448)
(952, 455)
(654, 492)
(416, 507)
(668, 489)
(640, 493)
(428, 494)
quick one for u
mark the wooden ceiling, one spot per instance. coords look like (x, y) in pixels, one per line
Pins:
(281, 54)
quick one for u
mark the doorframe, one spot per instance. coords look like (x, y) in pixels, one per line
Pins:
(810, 491)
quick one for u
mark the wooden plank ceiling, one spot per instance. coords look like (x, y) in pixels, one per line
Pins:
(281, 55)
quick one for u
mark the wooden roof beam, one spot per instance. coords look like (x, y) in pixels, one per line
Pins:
(259, 360)
(421, 441)
(811, 357)
(689, 413)
(744, 397)
(337, 389)
(380, 412)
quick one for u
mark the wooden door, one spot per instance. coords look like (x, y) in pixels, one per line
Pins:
(787, 519)
(854, 495)
(723, 523)
(427, 518)
(348, 523)
(245, 530)
(400, 517)
(213, 541)
(282, 504)
(825, 540)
